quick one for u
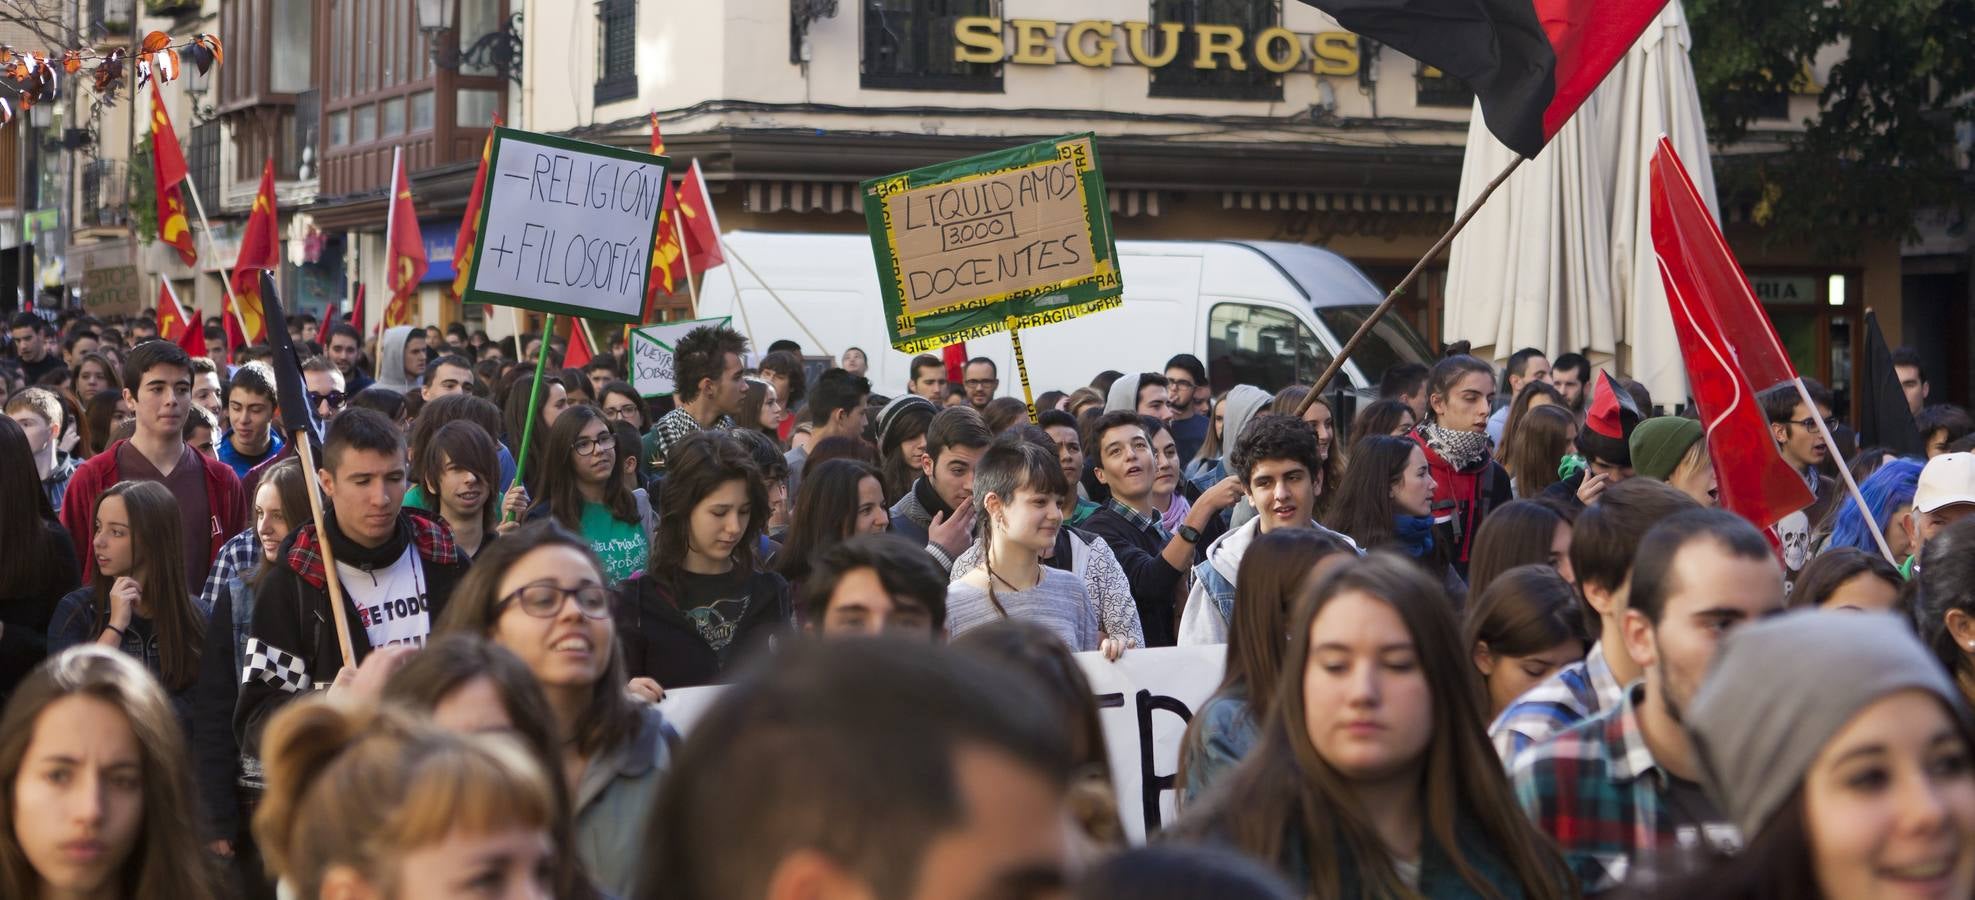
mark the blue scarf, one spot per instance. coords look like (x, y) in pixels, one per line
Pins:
(1414, 534)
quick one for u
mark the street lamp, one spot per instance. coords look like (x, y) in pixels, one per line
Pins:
(499, 49)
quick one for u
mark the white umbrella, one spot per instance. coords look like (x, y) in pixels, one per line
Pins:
(1657, 96)
(1531, 269)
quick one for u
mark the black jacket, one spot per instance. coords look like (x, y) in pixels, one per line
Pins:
(291, 646)
(1155, 583)
(661, 642)
(26, 609)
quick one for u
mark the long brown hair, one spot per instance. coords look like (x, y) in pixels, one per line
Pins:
(610, 718)
(349, 785)
(158, 565)
(557, 482)
(1286, 790)
(1519, 407)
(447, 664)
(1286, 403)
(1542, 437)
(699, 465)
(168, 862)
(293, 489)
(1527, 609)
(1517, 533)
(1009, 465)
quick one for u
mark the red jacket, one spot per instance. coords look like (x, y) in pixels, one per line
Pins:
(1461, 500)
(228, 503)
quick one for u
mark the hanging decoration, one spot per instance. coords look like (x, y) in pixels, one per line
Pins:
(33, 78)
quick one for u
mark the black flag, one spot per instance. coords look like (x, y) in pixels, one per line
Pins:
(1883, 417)
(290, 393)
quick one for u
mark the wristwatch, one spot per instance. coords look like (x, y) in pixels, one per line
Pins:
(1188, 533)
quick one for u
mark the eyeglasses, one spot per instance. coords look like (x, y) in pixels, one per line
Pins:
(1180, 383)
(981, 382)
(543, 600)
(1809, 423)
(619, 413)
(588, 446)
(333, 398)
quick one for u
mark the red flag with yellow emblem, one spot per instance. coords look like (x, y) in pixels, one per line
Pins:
(701, 226)
(175, 324)
(259, 249)
(469, 224)
(668, 263)
(405, 248)
(168, 171)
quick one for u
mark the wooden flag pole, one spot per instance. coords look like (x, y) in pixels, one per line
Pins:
(300, 440)
(1022, 368)
(1384, 306)
(534, 398)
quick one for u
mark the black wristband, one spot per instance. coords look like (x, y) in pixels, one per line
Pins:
(120, 632)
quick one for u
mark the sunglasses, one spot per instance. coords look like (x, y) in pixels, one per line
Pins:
(333, 398)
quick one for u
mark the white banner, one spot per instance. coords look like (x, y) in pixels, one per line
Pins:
(566, 227)
(1144, 700)
(651, 354)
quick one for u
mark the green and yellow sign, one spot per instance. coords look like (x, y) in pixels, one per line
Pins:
(1011, 239)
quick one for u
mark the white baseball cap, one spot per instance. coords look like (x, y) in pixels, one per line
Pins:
(1948, 479)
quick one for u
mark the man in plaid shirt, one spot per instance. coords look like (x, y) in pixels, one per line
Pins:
(1619, 791)
(1602, 546)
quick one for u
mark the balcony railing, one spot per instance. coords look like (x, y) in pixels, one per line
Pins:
(105, 194)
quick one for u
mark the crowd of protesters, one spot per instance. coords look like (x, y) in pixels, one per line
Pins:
(1487, 634)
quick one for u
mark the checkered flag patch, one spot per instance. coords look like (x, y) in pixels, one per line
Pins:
(275, 666)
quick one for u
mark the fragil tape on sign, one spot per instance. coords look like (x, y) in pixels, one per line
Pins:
(965, 247)
(651, 354)
(566, 227)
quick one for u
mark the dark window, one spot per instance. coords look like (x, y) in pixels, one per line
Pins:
(908, 45)
(1437, 88)
(202, 158)
(617, 50)
(1268, 348)
(1179, 78)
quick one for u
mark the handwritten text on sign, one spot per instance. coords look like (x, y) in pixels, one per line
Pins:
(568, 228)
(1144, 701)
(991, 235)
(652, 357)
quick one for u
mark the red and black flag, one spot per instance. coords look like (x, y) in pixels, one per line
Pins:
(1531, 63)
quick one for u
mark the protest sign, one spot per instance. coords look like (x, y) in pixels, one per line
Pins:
(1144, 701)
(651, 354)
(1005, 240)
(566, 227)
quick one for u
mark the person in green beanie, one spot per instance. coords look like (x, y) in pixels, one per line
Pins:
(1671, 449)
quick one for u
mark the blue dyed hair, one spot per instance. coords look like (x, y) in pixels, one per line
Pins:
(1886, 491)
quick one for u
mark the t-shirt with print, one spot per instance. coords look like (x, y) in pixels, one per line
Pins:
(619, 544)
(391, 602)
(717, 604)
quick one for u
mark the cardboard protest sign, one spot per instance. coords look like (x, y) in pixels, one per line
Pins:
(1144, 701)
(1011, 239)
(651, 354)
(566, 227)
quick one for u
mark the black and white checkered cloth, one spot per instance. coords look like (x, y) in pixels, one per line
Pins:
(274, 666)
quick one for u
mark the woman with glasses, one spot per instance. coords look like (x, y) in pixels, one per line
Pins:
(581, 489)
(542, 596)
(621, 403)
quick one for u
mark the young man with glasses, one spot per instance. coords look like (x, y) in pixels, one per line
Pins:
(396, 567)
(1186, 381)
(1793, 424)
(982, 379)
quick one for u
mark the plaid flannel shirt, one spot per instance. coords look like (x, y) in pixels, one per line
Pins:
(1596, 790)
(240, 553)
(1576, 692)
(1139, 520)
(673, 427)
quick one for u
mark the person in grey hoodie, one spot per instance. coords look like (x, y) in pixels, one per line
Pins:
(1277, 462)
(401, 359)
(1239, 407)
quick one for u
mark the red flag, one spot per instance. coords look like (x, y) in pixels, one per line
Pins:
(469, 223)
(955, 358)
(1702, 279)
(668, 264)
(258, 250)
(579, 352)
(1531, 63)
(405, 263)
(356, 310)
(177, 326)
(168, 172)
(701, 226)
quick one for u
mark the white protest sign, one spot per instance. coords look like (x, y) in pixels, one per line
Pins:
(566, 227)
(651, 354)
(1144, 701)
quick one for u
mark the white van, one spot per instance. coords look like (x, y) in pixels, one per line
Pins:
(1264, 313)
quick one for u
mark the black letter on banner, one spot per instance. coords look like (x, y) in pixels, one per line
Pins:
(1154, 785)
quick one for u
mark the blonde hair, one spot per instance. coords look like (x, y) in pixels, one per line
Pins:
(358, 787)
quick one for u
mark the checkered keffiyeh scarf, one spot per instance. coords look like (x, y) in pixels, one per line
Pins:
(1464, 450)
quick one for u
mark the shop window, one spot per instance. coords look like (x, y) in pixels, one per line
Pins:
(617, 50)
(1265, 347)
(1433, 87)
(908, 45)
(1181, 78)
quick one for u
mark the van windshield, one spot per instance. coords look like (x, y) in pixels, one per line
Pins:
(1391, 342)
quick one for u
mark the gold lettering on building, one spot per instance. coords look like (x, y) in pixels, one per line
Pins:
(1094, 43)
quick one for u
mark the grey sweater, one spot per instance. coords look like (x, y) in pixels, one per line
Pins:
(1058, 603)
